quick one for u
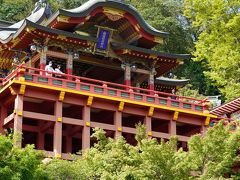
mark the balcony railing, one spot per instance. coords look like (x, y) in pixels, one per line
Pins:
(105, 88)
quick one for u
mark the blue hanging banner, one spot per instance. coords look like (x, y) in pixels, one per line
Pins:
(103, 38)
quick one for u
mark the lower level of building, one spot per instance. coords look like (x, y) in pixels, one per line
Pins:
(61, 122)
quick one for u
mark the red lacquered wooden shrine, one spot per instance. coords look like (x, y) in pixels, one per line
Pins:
(105, 50)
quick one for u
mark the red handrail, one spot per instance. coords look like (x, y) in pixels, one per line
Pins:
(99, 83)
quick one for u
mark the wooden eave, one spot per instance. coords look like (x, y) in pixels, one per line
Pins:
(171, 82)
(114, 10)
(29, 32)
(166, 83)
(122, 48)
(165, 61)
(32, 29)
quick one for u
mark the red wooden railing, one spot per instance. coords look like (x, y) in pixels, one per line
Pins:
(105, 88)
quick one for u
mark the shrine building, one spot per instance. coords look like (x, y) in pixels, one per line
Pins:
(112, 78)
(229, 112)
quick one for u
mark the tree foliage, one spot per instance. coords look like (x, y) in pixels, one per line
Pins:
(16, 163)
(17, 10)
(14, 11)
(214, 155)
(217, 22)
(209, 157)
(70, 4)
(167, 15)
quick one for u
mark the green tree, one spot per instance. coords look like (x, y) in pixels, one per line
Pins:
(69, 4)
(188, 91)
(214, 155)
(110, 159)
(15, 10)
(168, 16)
(217, 22)
(209, 157)
(17, 163)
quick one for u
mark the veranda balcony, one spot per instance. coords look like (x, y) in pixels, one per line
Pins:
(104, 89)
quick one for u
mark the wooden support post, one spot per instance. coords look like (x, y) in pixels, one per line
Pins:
(148, 124)
(86, 129)
(172, 128)
(203, 129)
(127, 75)
(43, 59)
(70, 64)
(29, 64)
(151, 83)
(118, 123)
(3, 116)
(69, 144)
(40, 141)
(57, 137)
(18, 120)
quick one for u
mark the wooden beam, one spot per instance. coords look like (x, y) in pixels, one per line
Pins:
(9, 119)
(46, 126)
(161, 135)
(129, 130)
(103, 126)
(30, 128)
(72, 121)
(57, 54)
(44, 95)
(39, 116)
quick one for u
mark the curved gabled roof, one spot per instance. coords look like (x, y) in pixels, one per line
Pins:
(171, 82)
(227, 108)
(28, 24)
(36, 17)
(85, 9)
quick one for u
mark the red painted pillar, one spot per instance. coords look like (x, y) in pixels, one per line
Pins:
(3, 116)
(151, 82)
(57, 137)
(69, 65)
(69, 144)
(148, 124)
(203, 129)
(40, 142)
(18, 120)
(172, 128)
(42, 66)
(118, 123)
(127, 75)
(43, 59)
(86, 128)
